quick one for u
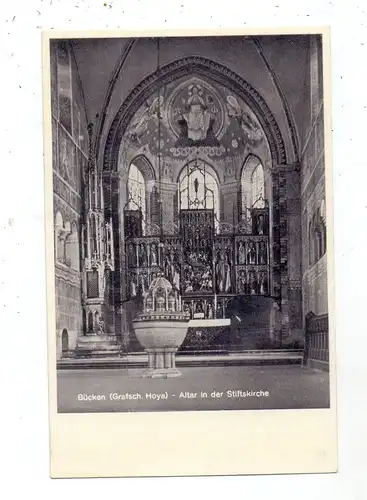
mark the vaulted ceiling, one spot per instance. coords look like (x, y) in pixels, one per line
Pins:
(277, 67)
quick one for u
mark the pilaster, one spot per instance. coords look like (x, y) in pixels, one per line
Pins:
(287, 248)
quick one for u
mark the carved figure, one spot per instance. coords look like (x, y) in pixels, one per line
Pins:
(223, 272)
(241, 253)
(143, 260)
(263, 253)
(210, 311)
(242, 282)
(252, 283)
(101, 328)
(153, 255)
(263, 284)
(251, 253)
(131, 256)
(133, 287)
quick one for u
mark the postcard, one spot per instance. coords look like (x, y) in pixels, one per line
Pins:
(189, 252)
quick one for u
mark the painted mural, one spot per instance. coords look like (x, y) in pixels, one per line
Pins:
(193, 116)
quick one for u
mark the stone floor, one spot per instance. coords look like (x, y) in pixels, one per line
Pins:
(120, 390)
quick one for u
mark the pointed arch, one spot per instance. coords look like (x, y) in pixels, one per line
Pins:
(215, 74)
(59, 222)
(145, 167)
(258, 187)
(212, 71)
(136, 198)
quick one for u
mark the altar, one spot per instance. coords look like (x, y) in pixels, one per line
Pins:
(209, 263)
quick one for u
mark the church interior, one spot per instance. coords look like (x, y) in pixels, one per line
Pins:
(200, 159)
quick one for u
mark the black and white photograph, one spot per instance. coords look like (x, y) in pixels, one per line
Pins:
(191, 223)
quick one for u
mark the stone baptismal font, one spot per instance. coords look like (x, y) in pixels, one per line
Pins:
(161, 328)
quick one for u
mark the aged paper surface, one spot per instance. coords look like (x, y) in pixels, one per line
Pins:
(250, 386)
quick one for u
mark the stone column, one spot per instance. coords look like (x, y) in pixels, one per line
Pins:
(150, 359)
(294, 254)
(287, 236)
(173, 358)
(280, 244)
(167, 359)
(161, 363)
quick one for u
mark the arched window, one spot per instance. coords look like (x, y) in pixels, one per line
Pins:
(252, 186)
(136, 191)
(198, 188)
(258, 187)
